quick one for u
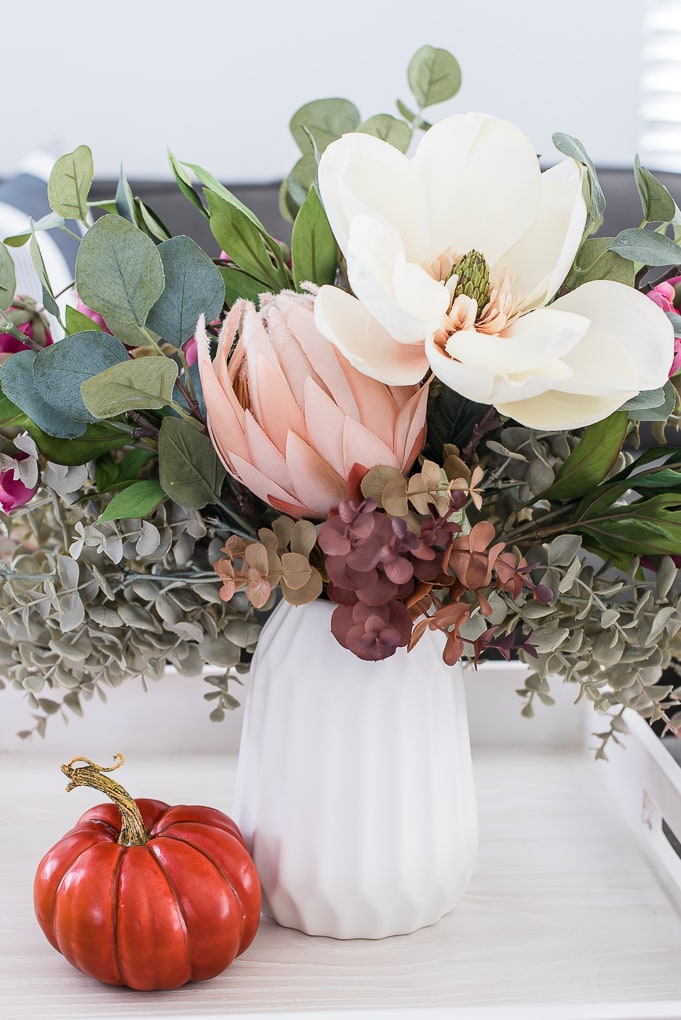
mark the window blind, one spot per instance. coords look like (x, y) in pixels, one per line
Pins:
(660, 127)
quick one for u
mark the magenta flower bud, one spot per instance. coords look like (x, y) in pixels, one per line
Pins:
(13, 492)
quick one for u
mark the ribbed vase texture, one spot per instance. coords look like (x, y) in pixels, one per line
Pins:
(355, 787)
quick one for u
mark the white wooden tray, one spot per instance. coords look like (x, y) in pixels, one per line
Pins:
(572, 913)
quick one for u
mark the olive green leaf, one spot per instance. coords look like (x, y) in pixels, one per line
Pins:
(592, 459)
(658, 205)
(241, 285)
(189, 469)
(184, 183)
(137, 500)
(295, 187)
(595, 261)
(79, 322)
(70, 182)
(136, 384)
(95, 441)
(39, 266)
(248, 245)
(313, 246)
(119, 271)
(434, 76)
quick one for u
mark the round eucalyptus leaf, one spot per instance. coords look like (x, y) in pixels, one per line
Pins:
(434, 76)
(324, 120)
(69, 184)
(388, 129)
(193, 287)
(60, 370)
(119, 272)
(18, 385)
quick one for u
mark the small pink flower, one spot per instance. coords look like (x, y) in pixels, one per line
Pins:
(666, 296)
(28, 320)
(13, 492)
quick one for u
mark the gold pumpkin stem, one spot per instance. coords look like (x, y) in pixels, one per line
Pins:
(133, 831)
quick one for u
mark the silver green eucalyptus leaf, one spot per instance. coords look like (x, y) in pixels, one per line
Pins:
(193, 287)
(69, 184)
(658, 205)
(388, 129)
(60, 369)
(8, 280)
(18, 384)
(434, 75)
(647, 247)
(322, 121)
(119, 272)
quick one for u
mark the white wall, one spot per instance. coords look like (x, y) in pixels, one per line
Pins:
(217, 81)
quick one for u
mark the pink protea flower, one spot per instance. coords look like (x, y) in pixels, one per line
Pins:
(290, 417)
(13, 492)
(667, 297)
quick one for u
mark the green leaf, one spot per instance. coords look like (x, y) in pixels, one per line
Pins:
(241, 285)
(95, 441)
(125, 200)
(388, 129)
(136, 384)
(189, 469)
(8, 279)
(647, 247)
(249, 246)
(70, 182)
(592, 459)
(214, 187)
(51, 221)
(294, 189)
(60, 369)
(571, 146)
(39, 266)
(645, 527)
(321, 122)
(653, 405)
(185, 185)
(408, 114)
(193, 287)
(658, 205)
(434, 76)
(451, 419)
(119, 271)
(595, 261)
(137, 500)
(313, 246)
(16, 375)
(79, 322)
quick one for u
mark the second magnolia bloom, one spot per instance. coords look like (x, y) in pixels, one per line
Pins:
(455, 257)
(288, 414)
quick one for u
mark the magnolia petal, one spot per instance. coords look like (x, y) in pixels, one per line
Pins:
(480, 178)
(362, 175)
(347, 324)
(642, 333)
(541, 259)
(555, 410)
(401, 296)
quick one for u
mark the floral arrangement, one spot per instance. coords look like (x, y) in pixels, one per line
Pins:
(427, 409)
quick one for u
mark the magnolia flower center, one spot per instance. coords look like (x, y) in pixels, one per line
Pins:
(481, 299)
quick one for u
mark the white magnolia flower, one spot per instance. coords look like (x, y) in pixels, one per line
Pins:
(454, 256)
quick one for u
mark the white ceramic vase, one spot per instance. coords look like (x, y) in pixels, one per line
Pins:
(355, 787)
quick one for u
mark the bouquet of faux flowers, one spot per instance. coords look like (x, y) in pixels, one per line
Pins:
(426, 410)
